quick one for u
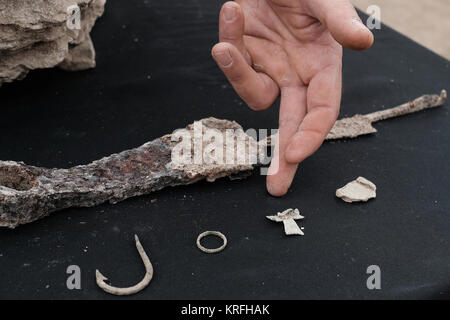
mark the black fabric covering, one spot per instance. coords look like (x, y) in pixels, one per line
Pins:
(154, 74)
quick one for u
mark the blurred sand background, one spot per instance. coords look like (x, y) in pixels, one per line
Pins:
(425, 21)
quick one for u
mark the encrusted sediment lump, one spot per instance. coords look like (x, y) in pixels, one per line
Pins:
(29, 193)
(35, 34)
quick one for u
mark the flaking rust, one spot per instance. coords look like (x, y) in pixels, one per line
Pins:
(30, 193)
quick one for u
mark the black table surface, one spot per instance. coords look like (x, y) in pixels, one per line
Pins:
(154, 74)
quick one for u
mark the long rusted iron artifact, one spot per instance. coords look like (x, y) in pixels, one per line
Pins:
(29, 193)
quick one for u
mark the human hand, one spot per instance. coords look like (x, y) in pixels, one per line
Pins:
(292, 48)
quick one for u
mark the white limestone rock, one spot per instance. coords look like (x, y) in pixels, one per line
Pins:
(34, 35)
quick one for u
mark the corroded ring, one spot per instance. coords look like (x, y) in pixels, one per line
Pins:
(211, 233)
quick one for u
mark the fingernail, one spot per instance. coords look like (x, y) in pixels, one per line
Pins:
(223, 58)
(357, 22)
(229, 13)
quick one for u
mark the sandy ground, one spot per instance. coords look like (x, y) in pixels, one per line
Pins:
(425, 21)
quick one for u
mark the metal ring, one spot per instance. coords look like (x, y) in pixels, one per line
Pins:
(211, 233)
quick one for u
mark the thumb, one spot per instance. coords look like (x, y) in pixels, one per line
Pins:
(343, 22)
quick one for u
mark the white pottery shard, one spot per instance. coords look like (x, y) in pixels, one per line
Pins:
(359, 190)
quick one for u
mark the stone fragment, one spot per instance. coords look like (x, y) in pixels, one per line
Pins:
(80, 57)
(35, 35)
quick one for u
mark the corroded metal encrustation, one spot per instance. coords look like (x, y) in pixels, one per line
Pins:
(29, 193)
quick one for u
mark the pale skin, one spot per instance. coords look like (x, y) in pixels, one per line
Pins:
(291, 48)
